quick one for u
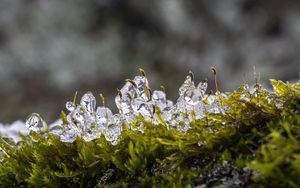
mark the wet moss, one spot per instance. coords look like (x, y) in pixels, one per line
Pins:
(255, 143)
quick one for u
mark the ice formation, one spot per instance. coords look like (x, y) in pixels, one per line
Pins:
(134, 99)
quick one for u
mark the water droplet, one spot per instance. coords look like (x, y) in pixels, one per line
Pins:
(103, 115)
(70, 106)
(35, 123)
(88, 101)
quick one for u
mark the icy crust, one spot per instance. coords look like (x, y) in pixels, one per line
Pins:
(12, 130)
(135, 99)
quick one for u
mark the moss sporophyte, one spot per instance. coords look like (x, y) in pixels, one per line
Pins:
(242, 138)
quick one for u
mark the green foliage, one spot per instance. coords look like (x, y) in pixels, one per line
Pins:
(256, 143)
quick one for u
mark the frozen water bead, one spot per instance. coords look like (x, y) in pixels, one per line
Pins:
(135, 98)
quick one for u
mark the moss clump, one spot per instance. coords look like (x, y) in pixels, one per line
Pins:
(255, 143)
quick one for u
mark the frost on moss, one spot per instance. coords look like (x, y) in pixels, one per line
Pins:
(255, 142)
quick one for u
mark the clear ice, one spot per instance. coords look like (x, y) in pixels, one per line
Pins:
(135, 98)
(35, 123)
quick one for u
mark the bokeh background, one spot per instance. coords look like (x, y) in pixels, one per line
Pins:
(51, 48)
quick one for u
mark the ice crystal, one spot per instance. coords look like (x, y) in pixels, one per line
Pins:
(159, 99)
(78, 114)
(103, 115)
(123, 102)
(141, 84)
(188, 84)
(35, 123)
(134, 99)
(70, 106)
(88, 101)
(139, 106)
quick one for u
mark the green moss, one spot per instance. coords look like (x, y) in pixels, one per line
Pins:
(256, 143)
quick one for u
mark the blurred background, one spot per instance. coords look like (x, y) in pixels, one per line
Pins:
(51, 48)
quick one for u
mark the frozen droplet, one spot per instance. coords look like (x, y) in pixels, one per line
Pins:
(182, 106)
(210, 99)
(279, 104)
(139, 106)
(118, 101)
(202, 86)
(169, 104)
(35, 123)
(88, 101)
(146, 96)
(78, 114)
(215, 107)
(193, 96)
(91, 134)
(103, 115)
(187, 84)
(199, 111)
(180, 122)
(128, 88)
(183, 126)
(159, 99)
(57, 130)
(142, 84)
(200, 143)
(222, 95)
(123, 103)
(257, 90)
(155, 120)
(245, 93)
(270, 99)
(69, 134)
(159, 96)
(113, 131)
(167, 113)
(128, 119)
(70, 106)
(245, 97)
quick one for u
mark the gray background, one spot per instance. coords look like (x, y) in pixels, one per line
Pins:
(51, 48)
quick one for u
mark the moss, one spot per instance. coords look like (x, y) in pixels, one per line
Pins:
(255, 143)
